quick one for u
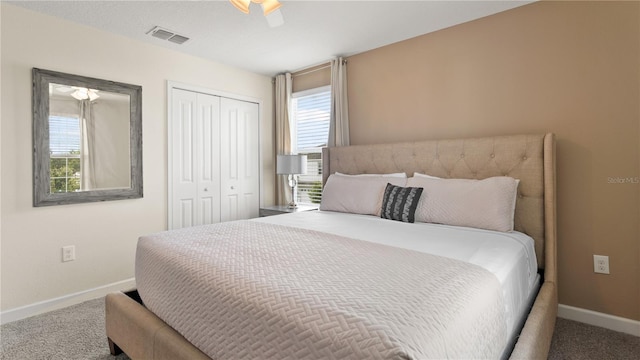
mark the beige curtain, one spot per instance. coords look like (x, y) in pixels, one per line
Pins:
(87, 147)
(283, 133)
(339, 123)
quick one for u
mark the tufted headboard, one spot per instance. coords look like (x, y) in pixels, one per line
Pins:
(530, 158)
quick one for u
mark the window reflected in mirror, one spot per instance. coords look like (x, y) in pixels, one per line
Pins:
(88, 139)
(64, 144)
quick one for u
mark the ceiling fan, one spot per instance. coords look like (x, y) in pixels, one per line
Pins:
(270, 8)
(77, 92)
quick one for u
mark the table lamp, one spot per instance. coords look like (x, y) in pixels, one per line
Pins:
(292, 165)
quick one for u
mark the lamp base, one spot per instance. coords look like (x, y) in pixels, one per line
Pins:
(293, 183)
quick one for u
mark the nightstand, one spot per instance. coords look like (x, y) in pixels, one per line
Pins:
(284, 209)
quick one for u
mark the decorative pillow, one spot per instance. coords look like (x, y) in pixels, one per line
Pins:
(400, 175)
(400, 203)
(485, 204)
(356, 194)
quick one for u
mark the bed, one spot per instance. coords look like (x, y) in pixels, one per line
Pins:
(133, 328)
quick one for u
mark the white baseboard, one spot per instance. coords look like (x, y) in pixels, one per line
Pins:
(606, 321)
(64, 301)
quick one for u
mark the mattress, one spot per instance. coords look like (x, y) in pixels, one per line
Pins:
(510, 256)
(316, 284)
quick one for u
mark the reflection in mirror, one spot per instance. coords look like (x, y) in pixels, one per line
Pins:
(86, 139)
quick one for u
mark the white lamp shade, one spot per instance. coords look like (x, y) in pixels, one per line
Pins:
(291, 164)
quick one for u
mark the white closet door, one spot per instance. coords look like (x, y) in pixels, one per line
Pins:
(195, 159)
(208, 159)
(239, 160)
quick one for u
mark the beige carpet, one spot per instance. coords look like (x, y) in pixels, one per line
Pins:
(577, 341)
(73, 333)
(77, 333)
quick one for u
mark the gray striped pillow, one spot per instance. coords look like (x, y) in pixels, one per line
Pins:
(400, 203)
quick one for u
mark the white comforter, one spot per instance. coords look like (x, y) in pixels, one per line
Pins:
(254, 290)
(510, 256)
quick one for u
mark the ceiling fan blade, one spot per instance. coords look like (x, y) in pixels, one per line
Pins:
(242, 5)
(275, 18)
(268, 6)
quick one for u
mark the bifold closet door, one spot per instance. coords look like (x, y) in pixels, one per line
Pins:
(239, 160)
(195, 159)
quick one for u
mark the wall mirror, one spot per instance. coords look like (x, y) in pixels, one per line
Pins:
(87, 139)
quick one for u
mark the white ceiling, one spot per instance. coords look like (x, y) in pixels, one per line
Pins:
(313, 31)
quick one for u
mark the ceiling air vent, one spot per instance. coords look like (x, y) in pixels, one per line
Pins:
(178, 39)
(169, 35)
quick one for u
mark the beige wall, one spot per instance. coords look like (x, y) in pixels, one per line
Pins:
(104, 234)
(568, 68)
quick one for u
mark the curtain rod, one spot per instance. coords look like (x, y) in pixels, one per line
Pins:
(314, 69)
(328, 65)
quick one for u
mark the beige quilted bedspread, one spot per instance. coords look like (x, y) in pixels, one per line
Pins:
(253, 290)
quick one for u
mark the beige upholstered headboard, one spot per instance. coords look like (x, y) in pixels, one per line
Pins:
(530, 158)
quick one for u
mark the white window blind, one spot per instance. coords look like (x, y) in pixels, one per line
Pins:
(64, 135)
(310, 131)
(64, 147)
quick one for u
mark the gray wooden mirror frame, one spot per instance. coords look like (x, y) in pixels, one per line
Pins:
(42, 195)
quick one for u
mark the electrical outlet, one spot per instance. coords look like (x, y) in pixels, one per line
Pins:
(68, 253)
(601, 264)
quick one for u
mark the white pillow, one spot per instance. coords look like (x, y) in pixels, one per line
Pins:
(417, 174)
(485, 204)
(356, 194)
(399, 175)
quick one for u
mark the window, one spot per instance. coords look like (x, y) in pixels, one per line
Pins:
(64, 144)
(310, 113)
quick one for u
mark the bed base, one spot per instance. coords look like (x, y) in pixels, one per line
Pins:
(136, 331)
(140, 334)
